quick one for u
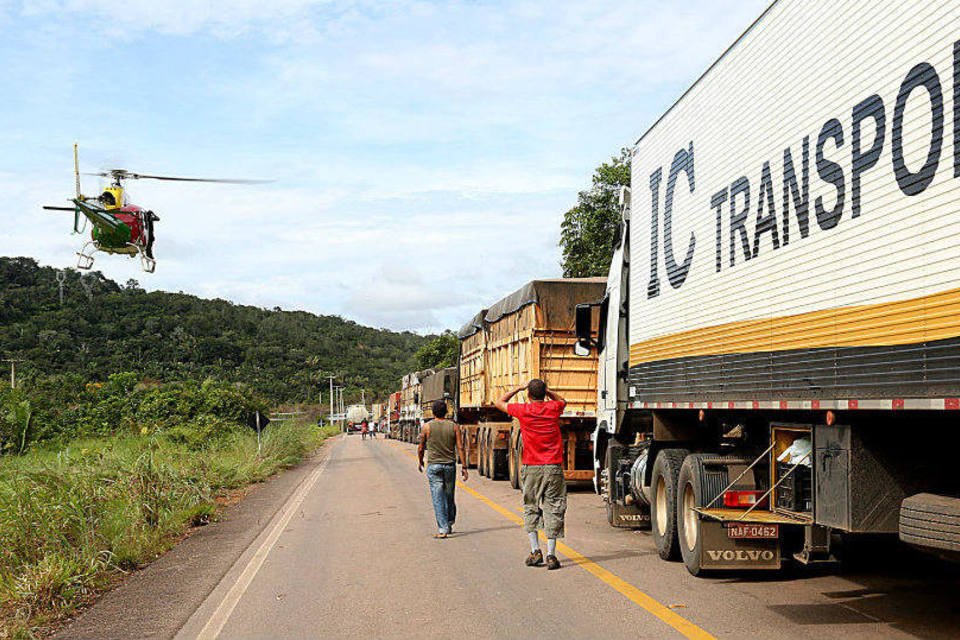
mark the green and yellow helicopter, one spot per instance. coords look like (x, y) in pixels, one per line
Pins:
(119, 227)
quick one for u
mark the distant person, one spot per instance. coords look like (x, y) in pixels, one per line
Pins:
(440, 438)
(541, 471)
(364, 428)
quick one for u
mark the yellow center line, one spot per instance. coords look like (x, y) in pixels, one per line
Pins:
(635, 595)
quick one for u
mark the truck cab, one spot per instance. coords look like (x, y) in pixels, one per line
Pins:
(615, 444)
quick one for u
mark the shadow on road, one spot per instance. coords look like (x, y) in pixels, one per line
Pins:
(468, 532)
(911, 592)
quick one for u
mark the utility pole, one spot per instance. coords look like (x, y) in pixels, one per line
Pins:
(343, 408)
(13, 370)
(61, 278)
(331, 377)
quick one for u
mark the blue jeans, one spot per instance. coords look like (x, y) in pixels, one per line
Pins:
(443, 481)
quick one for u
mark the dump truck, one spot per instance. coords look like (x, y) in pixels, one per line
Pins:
(779, 356)
(528, 334)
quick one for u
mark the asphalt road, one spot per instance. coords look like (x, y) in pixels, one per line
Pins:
(342, 548)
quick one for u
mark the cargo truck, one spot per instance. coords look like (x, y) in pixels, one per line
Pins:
(393, 415)
(411, 409)
(779, 355)
(440, 384)
(472, 384)
(528, 334)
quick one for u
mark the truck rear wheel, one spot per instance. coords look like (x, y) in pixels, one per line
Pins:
(515, 456)
(663, 507)
(481, 453)
(689, 495)
(498, 466)
(487, 454)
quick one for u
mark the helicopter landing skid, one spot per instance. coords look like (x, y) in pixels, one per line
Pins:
(85, 257)
(147, 263)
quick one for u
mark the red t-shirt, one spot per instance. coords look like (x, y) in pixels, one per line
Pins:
(540, 428)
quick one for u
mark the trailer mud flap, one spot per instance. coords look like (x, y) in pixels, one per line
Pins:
(630, 517)
(720, 551)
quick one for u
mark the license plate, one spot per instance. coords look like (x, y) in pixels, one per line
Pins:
(762, 531)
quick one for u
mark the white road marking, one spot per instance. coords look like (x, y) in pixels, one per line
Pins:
(219, 618)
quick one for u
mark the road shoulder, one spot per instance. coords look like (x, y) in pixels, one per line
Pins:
(158, 600)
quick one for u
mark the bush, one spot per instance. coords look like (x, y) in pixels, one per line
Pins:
(202, 431)
(122, 406)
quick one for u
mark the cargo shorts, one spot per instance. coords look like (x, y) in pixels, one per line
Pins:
(544, 498)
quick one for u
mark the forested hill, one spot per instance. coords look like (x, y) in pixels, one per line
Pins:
(104, 327)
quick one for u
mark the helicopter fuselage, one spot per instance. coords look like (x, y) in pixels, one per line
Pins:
(118, 230)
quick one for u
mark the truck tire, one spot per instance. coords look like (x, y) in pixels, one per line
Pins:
(498, 466)
(689, 495)
(481, 453)
(515, 453)
(605, 489)
(487, 454)
(663, 506)
(932, 523)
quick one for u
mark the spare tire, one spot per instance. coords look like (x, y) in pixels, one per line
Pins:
(931, 522)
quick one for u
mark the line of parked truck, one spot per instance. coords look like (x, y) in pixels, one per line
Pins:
(773, 361)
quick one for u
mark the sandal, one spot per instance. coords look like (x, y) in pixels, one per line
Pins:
(439, 536)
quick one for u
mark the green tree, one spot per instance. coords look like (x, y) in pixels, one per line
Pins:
(166, 337)
(441, 351)
(588, 229)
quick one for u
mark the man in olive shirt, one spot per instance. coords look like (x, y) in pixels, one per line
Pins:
(440, 438)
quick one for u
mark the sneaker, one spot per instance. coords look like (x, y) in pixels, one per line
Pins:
(552, 563)
(535, 559)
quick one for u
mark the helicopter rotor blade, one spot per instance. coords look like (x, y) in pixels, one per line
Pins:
(138, 176)
(123, 174)
(49, 207)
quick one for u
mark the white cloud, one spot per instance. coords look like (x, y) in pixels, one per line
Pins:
(423, 152)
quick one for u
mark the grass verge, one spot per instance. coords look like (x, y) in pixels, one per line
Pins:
(73, 520)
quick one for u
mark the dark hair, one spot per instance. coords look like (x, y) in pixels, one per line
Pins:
(439, 408)
(537, 389)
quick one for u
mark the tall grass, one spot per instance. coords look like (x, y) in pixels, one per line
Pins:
(71, 520)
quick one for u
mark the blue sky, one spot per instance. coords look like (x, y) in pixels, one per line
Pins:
(422, 153)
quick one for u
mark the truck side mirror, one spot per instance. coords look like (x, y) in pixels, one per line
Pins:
(584, 330)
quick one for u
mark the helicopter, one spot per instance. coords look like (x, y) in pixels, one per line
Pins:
(118, 226)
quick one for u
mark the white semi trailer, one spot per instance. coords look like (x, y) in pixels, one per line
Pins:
(780, 358)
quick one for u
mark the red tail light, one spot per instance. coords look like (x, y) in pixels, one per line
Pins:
(743, 499)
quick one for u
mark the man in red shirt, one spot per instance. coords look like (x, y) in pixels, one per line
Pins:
(541, 470)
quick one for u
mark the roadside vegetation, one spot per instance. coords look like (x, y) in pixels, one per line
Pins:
(100, 479)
